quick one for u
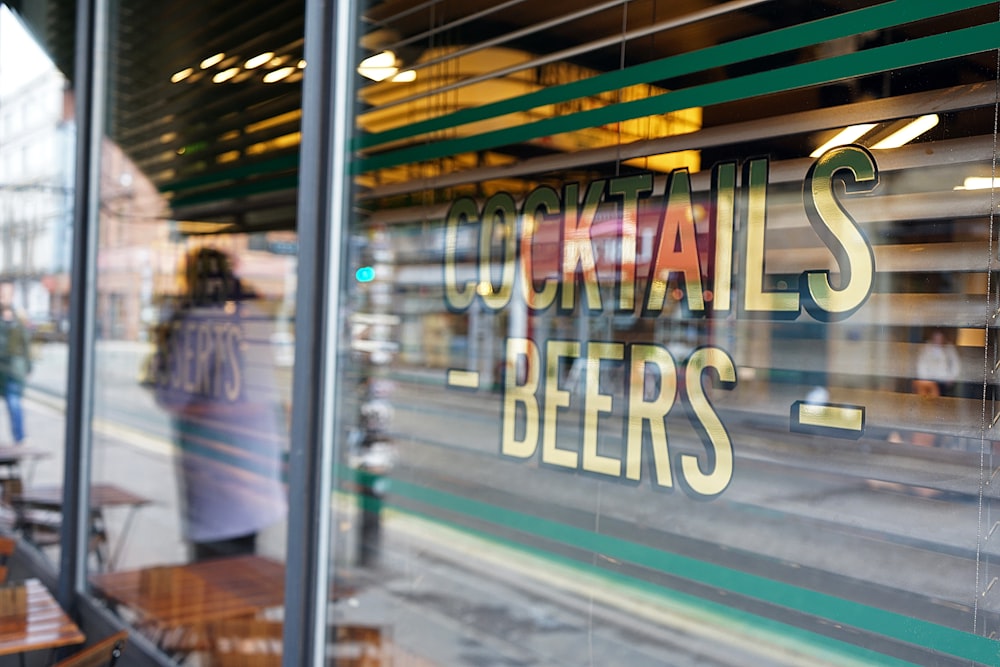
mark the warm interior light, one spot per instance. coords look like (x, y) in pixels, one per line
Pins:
(258, 60)
(406, 76)
(177, 77)
(278, 74)
(379, 66)
(302, 64)
(212, 60)
(225, 75)
(979, 183)
(908, 132)
(202, 227)
(845, 136)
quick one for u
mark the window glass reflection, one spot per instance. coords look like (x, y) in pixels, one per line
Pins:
(689, 308)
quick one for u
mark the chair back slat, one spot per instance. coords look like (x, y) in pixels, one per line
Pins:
(104, 653)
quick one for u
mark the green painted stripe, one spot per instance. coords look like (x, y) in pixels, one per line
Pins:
(242, 190)
(701, 607)
(915, 631)
(283, 163)
(871, 61)
(879, 17)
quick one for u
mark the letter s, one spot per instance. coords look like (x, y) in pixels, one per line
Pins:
(714, 436)
(841, 234)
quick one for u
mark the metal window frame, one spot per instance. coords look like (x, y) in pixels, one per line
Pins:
(91, 94)
(324, 208)
(324, 205)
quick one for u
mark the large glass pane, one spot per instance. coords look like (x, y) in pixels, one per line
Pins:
(194, 311)
(651, 362)
(37, 148)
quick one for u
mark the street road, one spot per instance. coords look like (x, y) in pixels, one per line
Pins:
(882, 525)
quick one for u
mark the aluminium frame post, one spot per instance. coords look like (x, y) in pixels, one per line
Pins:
(323, 210)
(89, 88)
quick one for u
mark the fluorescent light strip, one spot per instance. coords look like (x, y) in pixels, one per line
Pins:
(979, 183)
(212, 60)
(379, 66)
(908, 132)
(258, 60)
(845, 136)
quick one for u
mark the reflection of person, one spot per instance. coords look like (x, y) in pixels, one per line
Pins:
(937, 366)
(228, 420)
(15, 364)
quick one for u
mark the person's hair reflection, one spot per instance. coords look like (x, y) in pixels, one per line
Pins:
(228, 425)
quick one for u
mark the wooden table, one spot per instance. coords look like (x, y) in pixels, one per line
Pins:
(46, 627)
(11, 458)
(40, 512)
(209, 590)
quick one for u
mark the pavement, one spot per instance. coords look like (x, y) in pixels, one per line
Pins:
(449, 592)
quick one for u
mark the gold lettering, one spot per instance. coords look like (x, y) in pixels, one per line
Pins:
(596, 403)
(499, 222)
(541, 201)
(719, 447)
(676, 247)
(840, 233)
(578, 248)
(755, 299)
(516, 394)
(630, 188)
(723, 224)
(647, 404)
(457, 297)
(555, 398)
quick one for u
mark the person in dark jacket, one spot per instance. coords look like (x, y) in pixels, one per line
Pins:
(15, 365)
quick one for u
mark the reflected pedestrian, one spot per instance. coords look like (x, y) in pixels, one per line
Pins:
(937, 366)
(15, 362)
(227, 416)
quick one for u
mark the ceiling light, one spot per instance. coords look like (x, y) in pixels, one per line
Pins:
(845, 136)
(177, 77)
(212, 60)
(278, 74)
(258, 60)
(302, 64)
(979, 183)
(379, 66)
(908, 132)
(406, 76)
(225, 75)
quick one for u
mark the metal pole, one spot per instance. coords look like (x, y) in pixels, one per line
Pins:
(89, 92)
(324, 206)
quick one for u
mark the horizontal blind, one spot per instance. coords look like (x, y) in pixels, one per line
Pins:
(481, 103)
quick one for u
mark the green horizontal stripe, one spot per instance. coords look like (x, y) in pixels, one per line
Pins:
(247, 189)
(726, 614)
(243, 170)
(786, 39)
(915, 631)
(871, 61)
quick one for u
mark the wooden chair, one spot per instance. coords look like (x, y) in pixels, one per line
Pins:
(104, 653)
(7, 546)
(245, 642)
(360, 646)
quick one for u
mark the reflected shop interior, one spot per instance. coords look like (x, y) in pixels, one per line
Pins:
(437, 333)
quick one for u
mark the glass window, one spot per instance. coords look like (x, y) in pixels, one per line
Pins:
(194, 318)
(668, 329)
(671, 330)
